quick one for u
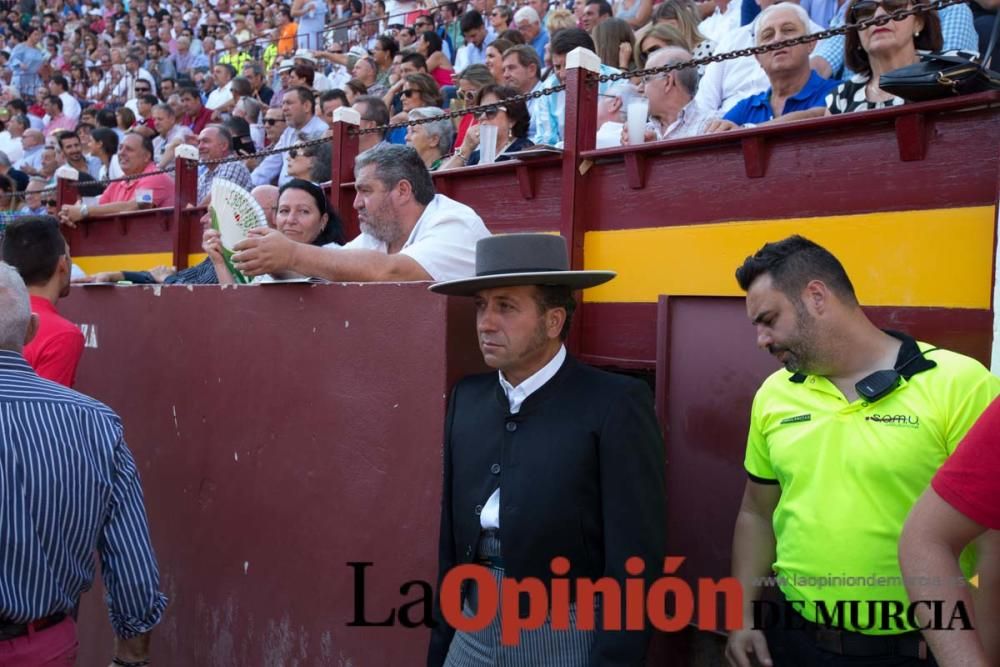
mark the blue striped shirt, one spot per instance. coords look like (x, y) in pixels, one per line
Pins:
(68, 487)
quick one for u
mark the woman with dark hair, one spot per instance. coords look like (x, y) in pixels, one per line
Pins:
(104, 146)
(494, 57)
(303, 215)
(355, 88)
(429, 46)
(126, 119)
(301, 76)
(511, 120)
(879, 49)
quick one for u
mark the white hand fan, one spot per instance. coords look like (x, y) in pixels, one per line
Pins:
(234, 212)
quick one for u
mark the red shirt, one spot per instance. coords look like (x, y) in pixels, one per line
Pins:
(56, 349)
(969, 480)
(198, 123)
(161, 185)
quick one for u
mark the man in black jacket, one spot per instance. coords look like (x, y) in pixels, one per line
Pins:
(561, 459)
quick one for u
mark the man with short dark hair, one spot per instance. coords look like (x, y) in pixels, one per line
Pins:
(521, 71)
(595, 12)
(222, 96)
(86, 166)
(70, 488)
(59, 86)
(842, 442)
(196, 116)
(476, 40)
(374, 113)
(254, 73)
(57, 119)
(36, 248)
(330, 101)
(408, 231)
(299, 108)
(541, 439)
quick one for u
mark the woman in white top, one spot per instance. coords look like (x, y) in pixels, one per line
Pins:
(311, 18)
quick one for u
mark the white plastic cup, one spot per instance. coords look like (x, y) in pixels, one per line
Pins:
(487, 144)
(144, 197)
(637, 114)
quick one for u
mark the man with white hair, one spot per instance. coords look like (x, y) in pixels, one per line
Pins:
(32, 142)
(611, 108)
(726, 83)
(673, 112)
(71, 446)
(529, 24)
(794, 86)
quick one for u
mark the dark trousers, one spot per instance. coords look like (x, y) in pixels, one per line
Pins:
(798, 648)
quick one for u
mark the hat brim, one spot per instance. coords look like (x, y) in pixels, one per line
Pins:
(572, 279)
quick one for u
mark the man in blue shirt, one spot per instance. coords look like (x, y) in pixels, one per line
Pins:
(794, 86)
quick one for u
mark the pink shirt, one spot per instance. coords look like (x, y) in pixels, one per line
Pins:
(63, 122)
(161, 185)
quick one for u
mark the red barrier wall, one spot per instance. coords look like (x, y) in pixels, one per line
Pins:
(281, 432)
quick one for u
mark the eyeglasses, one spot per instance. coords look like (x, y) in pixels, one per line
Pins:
(273, 121)
(650, 78)
(491, 113)
(866, 9)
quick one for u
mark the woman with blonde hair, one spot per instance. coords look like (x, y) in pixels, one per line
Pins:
(615, 44)
(658, 37)
(681, 16)
(557, 19)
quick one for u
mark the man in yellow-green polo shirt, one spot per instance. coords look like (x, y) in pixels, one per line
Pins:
(842, 443)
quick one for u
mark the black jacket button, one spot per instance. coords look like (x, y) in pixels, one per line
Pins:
(495, 468)
(511, 427)
(479, 510)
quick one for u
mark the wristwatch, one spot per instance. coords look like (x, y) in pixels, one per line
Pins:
(84, 211)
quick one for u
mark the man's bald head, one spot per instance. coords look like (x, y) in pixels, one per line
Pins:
(267, 197)
(32, 138)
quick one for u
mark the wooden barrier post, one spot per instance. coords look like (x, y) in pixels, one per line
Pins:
(580, 134)
(66, 191)
(185, 195)
(345, 149)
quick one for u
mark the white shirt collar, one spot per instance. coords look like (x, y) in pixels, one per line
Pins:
(517, 395)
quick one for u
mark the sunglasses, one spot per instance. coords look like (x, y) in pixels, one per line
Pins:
(866, 9)
(646, 54)
(295, 152)
(491, 113)
(467, 95)
(409, 92)
(273, 121)
(49, 202)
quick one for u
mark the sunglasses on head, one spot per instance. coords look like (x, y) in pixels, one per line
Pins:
(866, 9)
(273, 121)
(491, 113)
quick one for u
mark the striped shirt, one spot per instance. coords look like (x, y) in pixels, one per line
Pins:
(68, 487)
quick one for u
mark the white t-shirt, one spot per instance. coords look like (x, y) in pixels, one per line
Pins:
(443, 241)
(220, 97)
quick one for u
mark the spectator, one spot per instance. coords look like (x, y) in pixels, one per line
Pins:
(509, 117)
(58, 120)
(104, 146)
(70, 446)
(594, 12)
(311, 17)
(274, 126)
(25, 61)
(222, 96)
(419, 90)
(724, 19)
(383, 53)
(250, 109)
(354, 89)
(136, 157)
(287, 30)
(794, 86)
(72, 151)
(35, 201)
(318, 81)
(634, 12)
(169, 134)
(683, 18)
(299, 162)
(19, 178)
(49, 164)
(501, 18)
(672, 110)
(521, 71)
(959, 507)
(304, 215)
(470, 82)
(125, 118)
(529, 24)
(196, 116)
(233, 55)
(431, 140)
(559, 19)
(10, 138)
(439, 66)
(36, 248)
(254, 73)
(513, 36)
(658, 37)
(32, 142)
(59, 86)
(612, 106)
(879, 49)
(216, 143)
(374, 113)
(299, 107)
(184, 60)
(284, 71)
(330, 101)
(615, 44)
(408, 232)
(476, 40)
(302, 76)
(366, 71)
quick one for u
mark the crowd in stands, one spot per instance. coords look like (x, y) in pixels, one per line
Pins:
(112, 89)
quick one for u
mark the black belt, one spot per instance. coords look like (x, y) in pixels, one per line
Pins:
(11, 630)
(856, 644)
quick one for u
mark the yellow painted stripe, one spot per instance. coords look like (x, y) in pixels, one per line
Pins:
(941, 257)
(140, 262)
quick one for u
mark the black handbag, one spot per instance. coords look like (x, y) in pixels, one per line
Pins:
(937, 76)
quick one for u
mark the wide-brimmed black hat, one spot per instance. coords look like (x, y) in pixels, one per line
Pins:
(522, 259)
